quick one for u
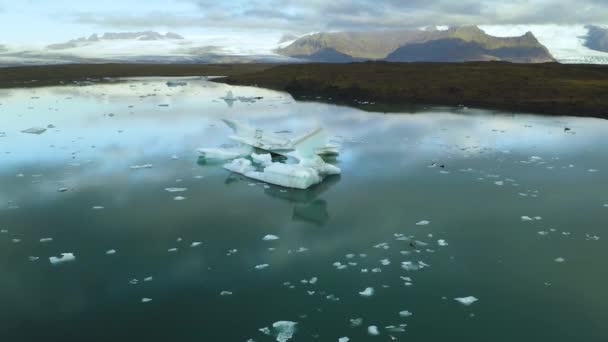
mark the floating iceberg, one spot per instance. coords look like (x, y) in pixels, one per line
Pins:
(65, 257)
(373, 330)
(284, 330)
(310, 168)
(368, 292)
(34, 130)
(466, 300)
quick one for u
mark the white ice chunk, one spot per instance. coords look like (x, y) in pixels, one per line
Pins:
(368, 292)
(343, 339)
(179, 198)
(139, 167)
(46, 239)
(373, 330)
(146, 300)
(270, 237)
(172, 250)
(97, 207)
(148, 278)
(442, 243)
(423, 223)
(196, 243)
(284, 330)
(355, 322)
(226, 293)
(405, 313)
(466, 300)
(176, 189)
(111, 251)
(262, 159)
(261, 266)
(65, 257)
(560, 260)
(225, 153)
(34, 130)
(240, 165)
(527, 218)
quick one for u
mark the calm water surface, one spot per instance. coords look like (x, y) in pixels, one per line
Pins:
(350, 233)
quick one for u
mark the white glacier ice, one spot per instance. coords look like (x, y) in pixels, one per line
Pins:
(466, 300)
(65, 257)
(284, 330)
(368, 292)
(373, 330)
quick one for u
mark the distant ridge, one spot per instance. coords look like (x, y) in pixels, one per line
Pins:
(457, 44)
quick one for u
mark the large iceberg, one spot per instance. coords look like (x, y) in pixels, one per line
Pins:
(303, 168)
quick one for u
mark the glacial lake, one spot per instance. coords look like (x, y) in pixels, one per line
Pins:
(439, 204)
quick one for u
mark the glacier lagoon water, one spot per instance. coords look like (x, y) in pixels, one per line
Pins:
(435, 205)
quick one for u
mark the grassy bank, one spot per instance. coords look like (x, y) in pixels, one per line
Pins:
(577, 90)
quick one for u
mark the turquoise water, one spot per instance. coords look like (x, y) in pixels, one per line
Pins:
(536, 279)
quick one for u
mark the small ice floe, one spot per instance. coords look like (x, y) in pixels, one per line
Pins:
(284, 330)
(195, 244)
(46, 240)
(466, 300)
(368, 292)
(382, 245)
(33, 258)
(343, 339)
(270, 237)
(559, 260)
(133, 281)
(499, 183)
(356, 322)
(226, 293)
(172, 250)
(405, 313)
(606, 205)
(423, 223)
(174, 157)
(385, 262)
(97, 207)
(176, 189)
(139, 167)
(592, 170)
(146, 300)
(179, 198)
(146, 279)
(313, 280)
(373, 330)
(590, 237)
(442, 243)
(261, 266)
(34, 130)
(110, 252)
(62, 189)
(543, 233)
(65, 257)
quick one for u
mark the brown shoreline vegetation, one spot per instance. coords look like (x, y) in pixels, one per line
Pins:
(547, 88)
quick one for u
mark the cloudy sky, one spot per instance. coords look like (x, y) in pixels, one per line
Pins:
(45, 21)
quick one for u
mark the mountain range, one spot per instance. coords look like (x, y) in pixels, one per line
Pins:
(514, 43)
(458, 44)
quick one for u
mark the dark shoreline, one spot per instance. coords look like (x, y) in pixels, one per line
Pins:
(550, 88)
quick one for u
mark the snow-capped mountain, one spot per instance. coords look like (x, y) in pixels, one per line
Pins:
(566, 43)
